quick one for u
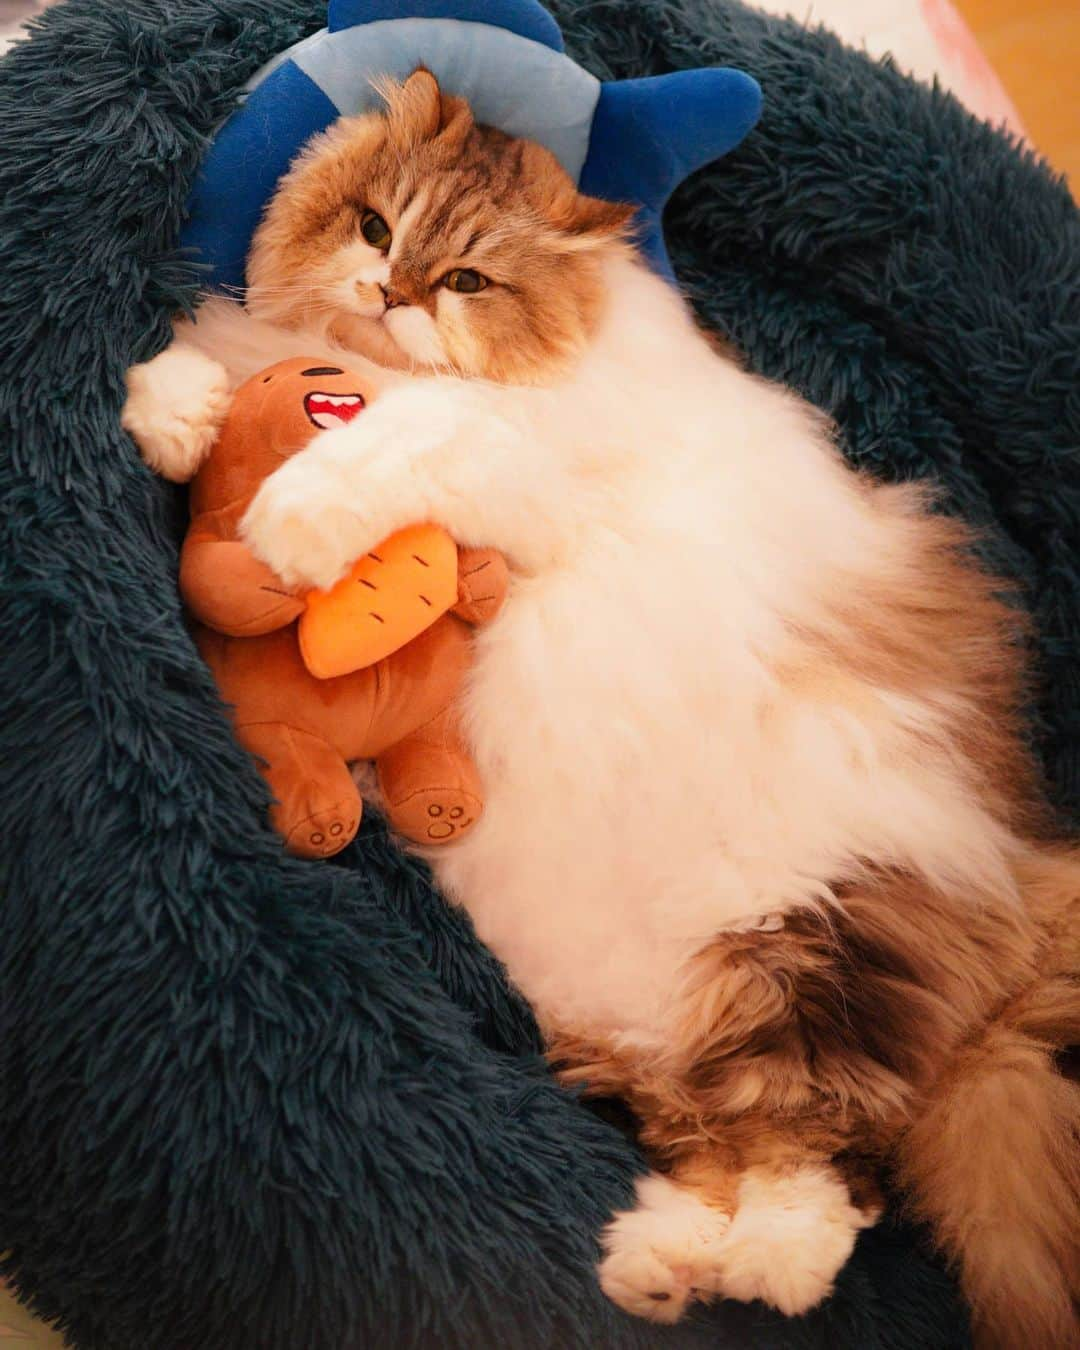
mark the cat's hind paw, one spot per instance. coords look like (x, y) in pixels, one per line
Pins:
(790, 1238)
(663, 1255)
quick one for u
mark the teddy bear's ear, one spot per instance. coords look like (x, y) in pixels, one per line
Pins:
(175, 409)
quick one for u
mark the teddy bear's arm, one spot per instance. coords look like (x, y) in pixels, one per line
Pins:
(483, 579)
(228, 589)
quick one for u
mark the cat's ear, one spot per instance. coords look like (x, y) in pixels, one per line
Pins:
(413, 109)
(580, 222)
(592, 218)
(418, 111)
(586, 223)
(455, 121)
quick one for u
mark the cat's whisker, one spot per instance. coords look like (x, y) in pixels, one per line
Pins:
(291, 288)
(455, 370)
(288, 290)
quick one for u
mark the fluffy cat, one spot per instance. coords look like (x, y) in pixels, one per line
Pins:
(762, 845)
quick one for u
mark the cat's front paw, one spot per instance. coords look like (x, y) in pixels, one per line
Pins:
(299, 526)
(175, 408)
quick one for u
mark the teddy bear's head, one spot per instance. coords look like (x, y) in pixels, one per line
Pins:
(272, 416)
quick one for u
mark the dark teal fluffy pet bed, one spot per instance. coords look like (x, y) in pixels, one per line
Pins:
(252, 1104)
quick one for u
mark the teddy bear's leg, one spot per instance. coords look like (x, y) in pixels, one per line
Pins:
(316, 803)
(429, 784)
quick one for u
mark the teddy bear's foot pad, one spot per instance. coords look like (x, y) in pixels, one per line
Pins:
(435, 816)
(317, 805)
(324, 833)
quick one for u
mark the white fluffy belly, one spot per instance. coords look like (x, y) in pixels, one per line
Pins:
(576, 876)
(577, 936)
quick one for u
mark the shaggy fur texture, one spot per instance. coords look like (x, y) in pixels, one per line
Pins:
(243, 1101)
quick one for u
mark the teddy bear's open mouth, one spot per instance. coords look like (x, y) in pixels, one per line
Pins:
(332, 410)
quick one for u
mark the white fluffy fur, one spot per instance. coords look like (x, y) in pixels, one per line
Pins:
(789, 1239)
(663, 1254)
(243, 344)
(790, 1236)
(369, 267)
(416, 333)
(175, 407)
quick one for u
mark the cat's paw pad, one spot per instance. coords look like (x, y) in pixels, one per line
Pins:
(176, 405)
(663, 1255)
(789, 1239)
(642, 1283)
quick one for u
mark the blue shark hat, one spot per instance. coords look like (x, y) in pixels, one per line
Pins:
(625, 140)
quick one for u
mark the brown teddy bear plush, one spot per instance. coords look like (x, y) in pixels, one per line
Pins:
(399, 711)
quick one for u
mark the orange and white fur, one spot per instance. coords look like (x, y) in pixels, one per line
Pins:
(762, 843)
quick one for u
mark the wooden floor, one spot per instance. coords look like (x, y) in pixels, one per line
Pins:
(1034, 45)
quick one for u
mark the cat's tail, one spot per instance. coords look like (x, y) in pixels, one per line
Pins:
(994, 1162)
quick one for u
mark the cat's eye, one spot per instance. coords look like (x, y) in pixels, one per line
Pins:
(465, 281)
(375, 230)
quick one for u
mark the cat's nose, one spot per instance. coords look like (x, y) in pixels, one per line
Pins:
(392, 298)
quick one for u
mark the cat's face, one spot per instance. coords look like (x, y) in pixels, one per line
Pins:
(423, 240)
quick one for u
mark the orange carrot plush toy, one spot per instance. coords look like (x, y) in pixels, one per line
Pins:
(369, 670)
